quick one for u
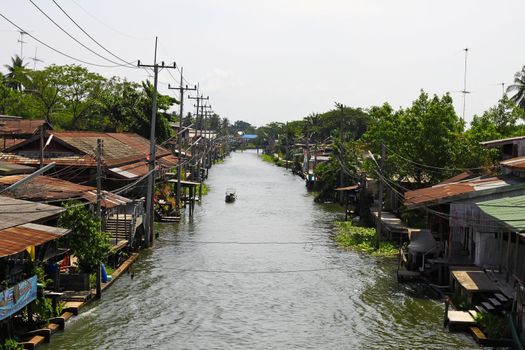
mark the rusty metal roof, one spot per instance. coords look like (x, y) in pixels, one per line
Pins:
(459, 177)
(16, 212)
(138, 169)
(43, 188)
(444, 193)
(14, 240)
(119, 149)
(17, 126)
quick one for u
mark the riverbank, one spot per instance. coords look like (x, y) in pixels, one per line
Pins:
(72, 307)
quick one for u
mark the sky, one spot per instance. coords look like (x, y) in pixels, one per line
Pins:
(280, 60)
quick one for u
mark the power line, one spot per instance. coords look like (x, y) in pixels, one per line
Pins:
(72, 37)
(56, 50)
(250, 271)
(129, 64)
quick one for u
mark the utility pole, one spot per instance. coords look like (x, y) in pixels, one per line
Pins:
(465, 92)
(181, 89)
(42, 133)
(151, 160)
(380, 197)
(99, 153)
(199, 99)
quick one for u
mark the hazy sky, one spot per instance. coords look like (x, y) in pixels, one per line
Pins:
(271, 60)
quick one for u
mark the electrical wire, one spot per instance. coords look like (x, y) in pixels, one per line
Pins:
(130, 63)
(255, 272)
(430, 166)
(76, 40)
(52, 48)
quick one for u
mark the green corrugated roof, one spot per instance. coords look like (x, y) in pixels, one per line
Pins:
(509, 210)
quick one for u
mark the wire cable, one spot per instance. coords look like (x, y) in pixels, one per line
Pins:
(131, 63)
(76, 40)
(53, 49)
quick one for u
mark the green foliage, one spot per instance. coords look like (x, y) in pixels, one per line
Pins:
(460, 301)
(362, 239)
(268, 158)
(427, 133)
(518, 88)
(205, 189)
(86, 241)
(11, 344)
(495, 326)
(43, 309)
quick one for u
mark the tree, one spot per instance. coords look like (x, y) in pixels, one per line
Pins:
(421, 141)
(15, 73)
(518, 88)
(86, 240)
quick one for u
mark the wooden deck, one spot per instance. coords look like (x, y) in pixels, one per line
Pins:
(461, 318)
(475, 281)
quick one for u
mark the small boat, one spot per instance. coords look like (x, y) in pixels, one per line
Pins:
(230, 195)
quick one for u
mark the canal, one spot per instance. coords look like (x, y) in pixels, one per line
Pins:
(261, 273)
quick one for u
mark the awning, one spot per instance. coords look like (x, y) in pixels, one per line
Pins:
(14, 240)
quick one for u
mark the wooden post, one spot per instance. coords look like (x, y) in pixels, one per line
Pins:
(508, 254)
(99, 211)
(42, 133)
(346, 207)
(380, 197)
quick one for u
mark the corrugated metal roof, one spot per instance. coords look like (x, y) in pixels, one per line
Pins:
(509, 210)
(514, 163)
(43, 188)
(13, 125)
(444, 193)
(500, 142)
(16, 239)
(459, 177)
(13, 169)
(134, 170)
(119, 148)
(16, 212)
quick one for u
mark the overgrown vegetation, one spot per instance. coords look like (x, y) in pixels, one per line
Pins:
(362, 239)
(268, 158)
(494, 326)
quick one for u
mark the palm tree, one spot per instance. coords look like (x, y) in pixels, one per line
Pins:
(518, 88)
(15, 73)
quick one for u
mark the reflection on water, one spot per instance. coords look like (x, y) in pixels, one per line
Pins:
(259, 273)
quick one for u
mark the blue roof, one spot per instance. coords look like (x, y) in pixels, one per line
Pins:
(249, 136)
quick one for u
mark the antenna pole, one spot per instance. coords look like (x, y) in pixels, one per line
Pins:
(465, 92)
